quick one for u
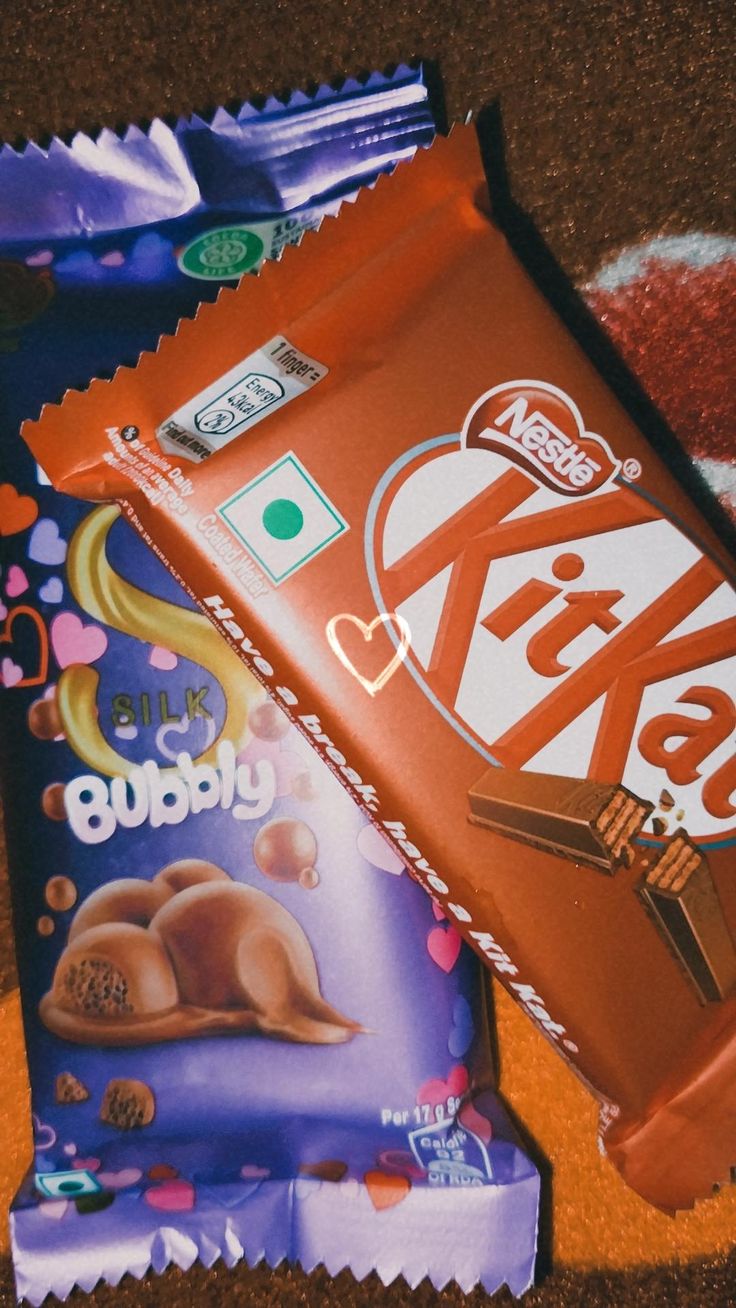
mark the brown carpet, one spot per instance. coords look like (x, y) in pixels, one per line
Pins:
(615, 115)
(697, 1285)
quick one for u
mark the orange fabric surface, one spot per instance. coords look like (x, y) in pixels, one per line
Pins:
(597, 1220)
(15, 1108)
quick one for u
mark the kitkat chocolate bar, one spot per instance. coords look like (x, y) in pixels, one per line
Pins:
(474, 587)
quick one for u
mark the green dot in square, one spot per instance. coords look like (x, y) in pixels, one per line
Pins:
(283, 519)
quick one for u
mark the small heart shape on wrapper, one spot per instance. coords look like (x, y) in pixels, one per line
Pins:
(17, 581)
(119, 1180)
(38, 675)
(46, 545)
(171, 1196)
(87, 1164)
(437, 1092)
(375, 849)
(16, 511)
(385, 1190)
(73, 642)
(40, 259)
(443, 946)
(52, 591)
(476, 1122)
(11, 674)
(367, 629)
(463, 1028)
(163, 659)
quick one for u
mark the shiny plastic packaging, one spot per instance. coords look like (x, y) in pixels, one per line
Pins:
(489, 606)
(249, 1033)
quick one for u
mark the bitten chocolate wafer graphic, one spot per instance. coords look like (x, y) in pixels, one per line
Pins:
(684, 903)
(584, 820)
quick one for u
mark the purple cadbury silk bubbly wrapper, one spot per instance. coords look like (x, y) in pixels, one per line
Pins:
(248, 1032)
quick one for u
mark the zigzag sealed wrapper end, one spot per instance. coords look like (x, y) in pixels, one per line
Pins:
(473, 586)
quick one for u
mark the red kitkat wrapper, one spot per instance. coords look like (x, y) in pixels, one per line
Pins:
(476, 589)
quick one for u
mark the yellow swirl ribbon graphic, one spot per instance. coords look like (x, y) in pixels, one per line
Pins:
(110, 599)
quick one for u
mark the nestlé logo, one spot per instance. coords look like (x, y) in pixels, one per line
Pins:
(538, 427)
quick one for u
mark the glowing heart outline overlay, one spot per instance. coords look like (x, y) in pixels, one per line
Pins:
(6, 638)
(366, 630)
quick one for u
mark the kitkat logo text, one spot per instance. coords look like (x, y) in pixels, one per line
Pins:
(539, 428)
(580, 635)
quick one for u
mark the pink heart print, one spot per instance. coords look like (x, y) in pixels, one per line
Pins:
(10, 673)
(17, 581)
(171, 1196)
(474, 1121)
(443, 945)
(437, 1092)
(118, 1180)
(376, 850)
(73, 642)
(40, 259)
(163, 659)
(252, 1172)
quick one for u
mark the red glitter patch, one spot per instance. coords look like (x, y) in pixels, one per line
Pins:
(675, 326)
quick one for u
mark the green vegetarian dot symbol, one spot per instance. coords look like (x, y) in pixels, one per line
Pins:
(283, 519)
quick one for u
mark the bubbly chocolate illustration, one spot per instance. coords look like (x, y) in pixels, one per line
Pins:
(44, 719)
(125, 900)
(190, 953)
(52, 801)
(60, 893)
(285, 850)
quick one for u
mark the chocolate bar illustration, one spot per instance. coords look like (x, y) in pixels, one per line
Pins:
(681, 896)
(587, 821)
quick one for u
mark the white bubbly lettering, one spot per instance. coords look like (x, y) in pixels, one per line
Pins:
(96, 808)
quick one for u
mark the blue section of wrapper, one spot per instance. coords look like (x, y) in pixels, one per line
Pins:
(351, 1123)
